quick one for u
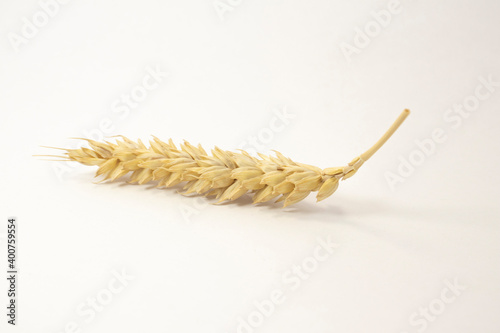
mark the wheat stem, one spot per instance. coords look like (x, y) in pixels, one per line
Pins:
(369, 153)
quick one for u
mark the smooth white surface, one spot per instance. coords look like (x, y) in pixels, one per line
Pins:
(396, 248)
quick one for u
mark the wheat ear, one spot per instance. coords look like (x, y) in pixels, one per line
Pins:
(223, 174)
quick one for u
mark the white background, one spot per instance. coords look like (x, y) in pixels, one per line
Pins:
(202, 270)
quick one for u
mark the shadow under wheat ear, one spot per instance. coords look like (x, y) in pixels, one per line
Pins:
(223, 174)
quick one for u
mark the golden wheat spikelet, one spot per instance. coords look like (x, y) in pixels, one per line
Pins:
(223, 174)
